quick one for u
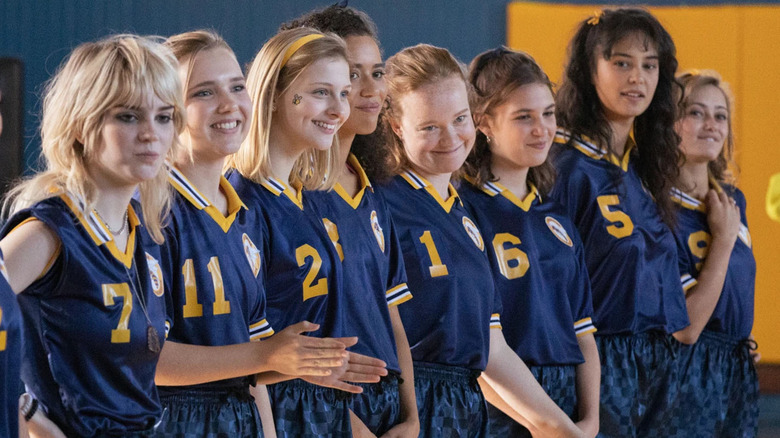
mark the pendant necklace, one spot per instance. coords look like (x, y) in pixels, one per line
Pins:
(152, 338)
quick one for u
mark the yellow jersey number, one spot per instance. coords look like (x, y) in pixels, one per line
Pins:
(3, 333)
(191, 306)
(512, 261)
(699, 244)
(311, 288)
(622, 225)
(121, 334)
(437, 268)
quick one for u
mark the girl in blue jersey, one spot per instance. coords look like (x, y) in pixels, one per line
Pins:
(359, 223)
(720, 388)
(211, 260)
(87, 275)
(535, 252)
(616, 163)
(299, 84)
(453, 323)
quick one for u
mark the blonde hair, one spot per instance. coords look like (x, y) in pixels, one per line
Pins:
(407, 71)
(267, 78)
(692, 80)
(97, 76)
(187, 46)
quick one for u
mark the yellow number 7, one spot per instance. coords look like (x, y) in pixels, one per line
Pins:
(121, 334)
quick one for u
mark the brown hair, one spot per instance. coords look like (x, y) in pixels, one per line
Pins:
(407, 71)
(494, 75)
(692, 80)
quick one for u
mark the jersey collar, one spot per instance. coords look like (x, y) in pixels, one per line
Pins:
(496, 188)
(589, 148)
(279, 187)
(691, 203)
(98, 231)
(418, 182)
(201, 202)
(353, 162)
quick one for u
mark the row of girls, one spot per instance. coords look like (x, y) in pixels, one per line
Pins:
(358, 275)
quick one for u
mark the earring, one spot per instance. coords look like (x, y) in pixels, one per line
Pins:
(487, 139)
(296, 99)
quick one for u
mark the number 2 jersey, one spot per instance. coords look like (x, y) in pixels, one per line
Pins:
(374, 276)
(733, 315)
(539, 271)
(455, 303)
(630, 252)
(301, 266)
(212, 266)
(85, 352)
(10, 356)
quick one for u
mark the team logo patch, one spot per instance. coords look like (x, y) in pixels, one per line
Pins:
(155, 274)
(558, 230)
(473, 232)
(378, 233)
(744, 236)
(252, 254)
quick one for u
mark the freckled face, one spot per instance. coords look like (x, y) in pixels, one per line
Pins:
(436, 126)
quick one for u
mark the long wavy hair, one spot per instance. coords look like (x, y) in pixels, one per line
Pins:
(579, 110)
(691, 81)
(116, 71)
(268, 78)
(495, 74)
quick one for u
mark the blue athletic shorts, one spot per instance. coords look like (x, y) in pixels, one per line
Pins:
(719, 390)
(640, 382)
(212, 413)
(302, 409)
(558, 381)
(379, 405)
(449, 401)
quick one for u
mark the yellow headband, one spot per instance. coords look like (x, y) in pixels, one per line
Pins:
(297, 45)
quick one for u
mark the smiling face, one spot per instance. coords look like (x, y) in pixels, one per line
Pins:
(435, 127)
(522, 128)
(321, 92)
(217, 103)
(367, 74)
(704, 126)
(133, 143)
(626, 82)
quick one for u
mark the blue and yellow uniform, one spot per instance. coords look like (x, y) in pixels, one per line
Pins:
(448, 323)
(374, 278)
(303, 278)
(719, 394)
(10, 356)
(539, 270)
(212, 266)
(638, 301)
(88, 353)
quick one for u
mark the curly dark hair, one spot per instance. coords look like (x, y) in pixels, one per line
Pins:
(495, 74)
(580, 111)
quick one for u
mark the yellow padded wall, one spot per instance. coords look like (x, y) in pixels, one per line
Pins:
(740, 42)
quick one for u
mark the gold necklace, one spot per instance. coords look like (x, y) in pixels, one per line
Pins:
(121, 230)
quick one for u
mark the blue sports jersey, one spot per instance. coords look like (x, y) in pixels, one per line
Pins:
(733, 315)
(630, 252)
(539, 271)
(455, 303)
(212, 268)
(301, 267)
(85, 353)
(10, 356)
(374, 275)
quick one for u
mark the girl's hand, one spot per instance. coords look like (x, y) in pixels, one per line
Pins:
(294, 354)
(722, 217)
